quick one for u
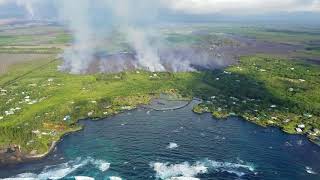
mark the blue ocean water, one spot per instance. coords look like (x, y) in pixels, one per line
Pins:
(175, 145)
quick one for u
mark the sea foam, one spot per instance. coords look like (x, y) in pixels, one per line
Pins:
(101, 164)
(83, 178)
(309, 170)
(168, 171)
(62, 170)
(187, 171)
(115, 178)
(172, 145)
(184, 178)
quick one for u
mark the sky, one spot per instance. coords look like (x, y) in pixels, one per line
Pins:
(49, 8)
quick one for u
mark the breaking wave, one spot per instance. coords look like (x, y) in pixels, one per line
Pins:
(309, 170)
(101, 164)
(170, 171)
(115, 178)
(172, 145)
(184, 178)
(83, 178)
(187, 171)
(62, 170)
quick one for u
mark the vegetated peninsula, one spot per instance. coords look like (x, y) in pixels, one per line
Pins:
(40, 104)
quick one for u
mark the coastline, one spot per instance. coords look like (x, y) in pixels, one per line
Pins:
(27, 158)
(17, 157)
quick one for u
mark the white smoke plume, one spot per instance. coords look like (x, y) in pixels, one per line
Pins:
(28, 4)
(136, 20)
(76, 15)
(147, 55)
(131, 17)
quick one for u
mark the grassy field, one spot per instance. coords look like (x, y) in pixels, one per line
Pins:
(9, 60)
(39, 104)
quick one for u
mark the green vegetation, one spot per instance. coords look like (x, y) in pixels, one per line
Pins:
(42, 106)
(11, 40)
(39, 107)
(39, 104)
(29, 50)
(268, 91)
(62, 38)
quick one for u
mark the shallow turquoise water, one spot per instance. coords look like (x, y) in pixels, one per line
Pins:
(179, 144)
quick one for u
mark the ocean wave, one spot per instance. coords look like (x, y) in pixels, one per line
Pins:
(115, 178)
(100, 164)
(83, 178)
(172, 145)
(168, 171)
(238, 169)
(187, 171)
(184, 178)
(309, 170)
(62, 170)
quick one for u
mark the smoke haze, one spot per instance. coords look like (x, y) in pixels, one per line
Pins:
(91, 22)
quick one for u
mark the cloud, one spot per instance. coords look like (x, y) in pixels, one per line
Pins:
(3, 2)
(225, 7)
(242, 6)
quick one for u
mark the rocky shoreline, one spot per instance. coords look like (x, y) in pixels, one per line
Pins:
(13, 155)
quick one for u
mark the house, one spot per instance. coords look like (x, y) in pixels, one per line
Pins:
(301, 126)
(36, 132)
(299, 130)
(10, 112)
(66, 118)
(307, 115)
(126, 108)
(286, 121)
(90, 113)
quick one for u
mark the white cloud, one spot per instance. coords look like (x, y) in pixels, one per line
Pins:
(242, 6)
(3, 2)
(198, 6)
